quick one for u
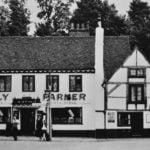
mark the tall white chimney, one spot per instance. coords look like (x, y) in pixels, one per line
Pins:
(99, 76)
(99, 54)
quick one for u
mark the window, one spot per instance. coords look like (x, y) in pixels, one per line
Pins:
(72, 115)
(28, 83)
(136, 93)
(124, 119)
(136, 73)
(52, 81)
(5, 83)
(5, 115)
(75, 83)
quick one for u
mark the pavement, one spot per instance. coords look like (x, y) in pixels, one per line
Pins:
(33, 143)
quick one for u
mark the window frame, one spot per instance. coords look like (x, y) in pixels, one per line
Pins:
(123, 125)
(142, 101)
(47, 81)
(7, 117)
(69, 123)
(29, 76)
(76, 76)
(4, 77)
(136, 73)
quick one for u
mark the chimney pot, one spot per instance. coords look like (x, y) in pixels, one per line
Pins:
(87, 25)
(72, 26)
(82, 26)
(77, 26)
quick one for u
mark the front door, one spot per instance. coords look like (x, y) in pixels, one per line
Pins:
(137, 123)
(27, 121)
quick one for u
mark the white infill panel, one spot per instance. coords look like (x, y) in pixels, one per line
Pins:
(118, 91)
(119, 76)
(140, 106)
(116, 103)
(136, 59)
(141, 61)
(131, 60)
(131, 107)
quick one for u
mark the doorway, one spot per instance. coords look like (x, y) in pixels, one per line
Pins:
(27, 121)
(137, 123)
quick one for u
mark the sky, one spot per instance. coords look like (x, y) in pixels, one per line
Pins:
(121, 5)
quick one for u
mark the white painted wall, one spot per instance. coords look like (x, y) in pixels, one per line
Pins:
(88, 81)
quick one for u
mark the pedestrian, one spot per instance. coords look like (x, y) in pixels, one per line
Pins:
(39, 125)
(14, 128)
(44, 131)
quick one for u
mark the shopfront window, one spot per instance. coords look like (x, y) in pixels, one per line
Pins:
(5, 83)
(67, 115)
(5, 115)
(124, 119)
(75, 83)
(53, 82)
(28, 83)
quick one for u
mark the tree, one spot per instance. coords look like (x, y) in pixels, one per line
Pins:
(139, 15)
(61, 18)
(19, 18)
(44, 28)
(55, 17)
(112, 23)
(4, 21)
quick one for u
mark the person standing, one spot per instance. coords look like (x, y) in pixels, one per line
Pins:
(39, 126)
(15, 128)
(44, 131)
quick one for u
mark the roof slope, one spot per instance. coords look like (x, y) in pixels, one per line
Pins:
(28, 53)
(47, 53)
(116, 50)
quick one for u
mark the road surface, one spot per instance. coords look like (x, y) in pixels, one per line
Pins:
(33, 143)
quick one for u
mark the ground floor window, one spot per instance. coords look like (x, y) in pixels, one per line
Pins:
(69, 115)
(5, 115)
(124, 119)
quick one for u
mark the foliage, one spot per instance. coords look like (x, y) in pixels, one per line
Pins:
(43, 29)
(55, 16)
(4, 18)
(139, 15)
(111, 21)
(19, 18)
(61, 18)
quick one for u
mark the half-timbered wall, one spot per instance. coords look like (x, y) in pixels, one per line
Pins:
(117, 89)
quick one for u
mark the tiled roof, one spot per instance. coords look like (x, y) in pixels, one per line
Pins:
(46, 53)
(29, 53)
(116, 50)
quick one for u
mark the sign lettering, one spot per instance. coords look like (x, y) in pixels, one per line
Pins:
(66, 97)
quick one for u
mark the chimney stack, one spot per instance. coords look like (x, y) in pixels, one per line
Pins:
(79, 30)
(99, 68)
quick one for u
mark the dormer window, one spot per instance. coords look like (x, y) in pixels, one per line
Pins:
(136, 72)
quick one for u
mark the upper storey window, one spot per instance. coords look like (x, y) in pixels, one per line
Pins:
(28, 83)
(75, 83)
(136, 72)
(53, 81)
(5, 83)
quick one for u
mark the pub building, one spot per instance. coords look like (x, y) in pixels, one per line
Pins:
(98, 86)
